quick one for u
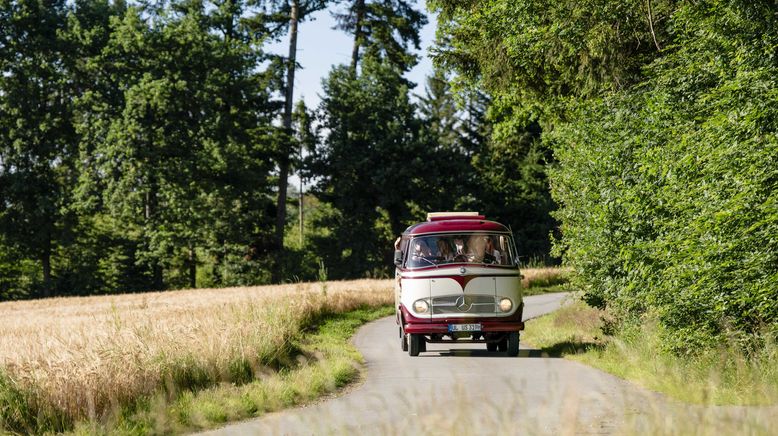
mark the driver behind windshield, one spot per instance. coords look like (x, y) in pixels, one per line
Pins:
(420, 249)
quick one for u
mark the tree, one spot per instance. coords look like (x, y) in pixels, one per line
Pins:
(450, 181)
(296, 11)
(384, 28)
(439, 109)
(243, 137)
(186, 140)
(36, 137)
(513, 186)
(500, 173)
(537, 50)
(371, 165)
(307, 136)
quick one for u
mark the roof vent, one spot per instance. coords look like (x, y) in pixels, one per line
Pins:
(442, 216)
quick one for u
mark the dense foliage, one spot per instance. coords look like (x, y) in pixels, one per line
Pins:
(145, 145)
(663, 118)
(370, 165)
(136, 140)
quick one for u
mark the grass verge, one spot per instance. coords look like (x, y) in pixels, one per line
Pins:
(544, 280)
(723, 376)
(322, 362)
(538, 290)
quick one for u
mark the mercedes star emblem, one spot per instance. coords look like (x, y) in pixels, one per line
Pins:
(464, 304)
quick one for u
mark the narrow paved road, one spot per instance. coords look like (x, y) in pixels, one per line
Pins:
(463, 389)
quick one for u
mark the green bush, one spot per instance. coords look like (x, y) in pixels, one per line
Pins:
(668, 190)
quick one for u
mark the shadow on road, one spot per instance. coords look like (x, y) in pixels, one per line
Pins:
(484, 353)
(561, 349)
(555, 351)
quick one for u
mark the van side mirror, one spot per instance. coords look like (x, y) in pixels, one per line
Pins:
(398, 257)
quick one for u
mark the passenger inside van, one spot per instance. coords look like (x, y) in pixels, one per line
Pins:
(457, 248)
(491, 253)
(477, 247)
(460, 253)
(444, 250)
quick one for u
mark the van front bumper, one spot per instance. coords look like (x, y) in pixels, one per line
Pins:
(496, 324)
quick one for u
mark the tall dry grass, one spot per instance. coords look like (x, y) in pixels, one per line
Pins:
(69, 359)
(544, 277)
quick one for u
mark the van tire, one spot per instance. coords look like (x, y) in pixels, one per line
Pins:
(414, 344)
(403, 340)
(513, 344)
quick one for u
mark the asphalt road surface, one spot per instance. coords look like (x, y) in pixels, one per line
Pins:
(463, 389)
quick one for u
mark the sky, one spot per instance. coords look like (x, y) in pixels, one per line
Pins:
(319, 47)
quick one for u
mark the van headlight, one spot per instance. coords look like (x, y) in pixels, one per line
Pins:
(420, 306)
(506, 304)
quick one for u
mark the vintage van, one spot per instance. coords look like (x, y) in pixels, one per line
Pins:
(457, 280)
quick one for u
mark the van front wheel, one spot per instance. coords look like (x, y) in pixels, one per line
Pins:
(502, 346)
(414, 344)
(513, 344)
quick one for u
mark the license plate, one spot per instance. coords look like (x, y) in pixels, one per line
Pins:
(464, 327)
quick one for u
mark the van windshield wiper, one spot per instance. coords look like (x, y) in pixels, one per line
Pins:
(432, 261)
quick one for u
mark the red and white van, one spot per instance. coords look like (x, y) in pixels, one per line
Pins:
(457, 280)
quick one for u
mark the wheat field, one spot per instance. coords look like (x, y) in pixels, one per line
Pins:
(83, 358)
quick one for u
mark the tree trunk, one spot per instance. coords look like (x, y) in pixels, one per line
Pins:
(150, 210)
(359, 9)
(46, 265)
(300, 205)
(283, 165)
(192, 267)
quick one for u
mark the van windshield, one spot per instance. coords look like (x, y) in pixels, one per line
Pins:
(479, 248)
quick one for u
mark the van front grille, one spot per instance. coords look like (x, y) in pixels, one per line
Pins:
(464, 304)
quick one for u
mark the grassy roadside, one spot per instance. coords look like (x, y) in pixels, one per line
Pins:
(544, 280)
(322, 362)
(724, 376)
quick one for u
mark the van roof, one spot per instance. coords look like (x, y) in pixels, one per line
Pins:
(455, 224)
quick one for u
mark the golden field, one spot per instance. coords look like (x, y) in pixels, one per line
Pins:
(83, 358)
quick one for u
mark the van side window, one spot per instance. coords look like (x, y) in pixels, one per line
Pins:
(404, 245)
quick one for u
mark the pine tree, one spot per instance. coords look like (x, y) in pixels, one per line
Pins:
(384, 29)
(36, 135)
(371, 164)
(451, 180)
(295, 11)
(185, 158)
(438, 109)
